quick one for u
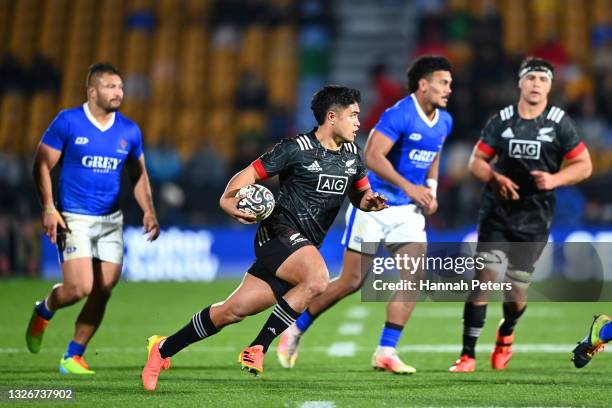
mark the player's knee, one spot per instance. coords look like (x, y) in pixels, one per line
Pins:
(494, 262)
(352, 285)
(77, 292)
(232, 314)
(317, 286)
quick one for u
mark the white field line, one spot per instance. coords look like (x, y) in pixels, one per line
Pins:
(350, 329)
(318, 404)
(358, 312)
(342, 349)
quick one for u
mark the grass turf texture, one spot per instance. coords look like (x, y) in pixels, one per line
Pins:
(206, 374)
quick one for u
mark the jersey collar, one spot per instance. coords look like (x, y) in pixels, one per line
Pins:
(97, 124)
(430, 123)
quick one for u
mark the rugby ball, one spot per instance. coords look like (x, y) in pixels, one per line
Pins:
(257, 200)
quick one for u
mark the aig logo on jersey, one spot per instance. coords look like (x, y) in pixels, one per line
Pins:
(332, 184)
(524, 149)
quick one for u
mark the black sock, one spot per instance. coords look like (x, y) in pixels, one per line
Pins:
(197, 329)
(473, 322)
(282, 317)
(511, 317)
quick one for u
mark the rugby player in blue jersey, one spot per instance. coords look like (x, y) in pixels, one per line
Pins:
(403, 154)
(92, 142)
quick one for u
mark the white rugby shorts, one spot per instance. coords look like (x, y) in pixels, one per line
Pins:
(393, 225)
(93, 236)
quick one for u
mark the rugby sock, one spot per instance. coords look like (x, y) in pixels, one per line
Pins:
(473, 322)
(511, 316)
(390, 335)
(605, 334)
(305, 320)
(200, 327)
(43, 311)
(282, 317)
(74, 349)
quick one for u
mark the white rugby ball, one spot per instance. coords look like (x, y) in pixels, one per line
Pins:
(257, 201)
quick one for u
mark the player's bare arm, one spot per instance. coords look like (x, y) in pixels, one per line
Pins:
(574, 170)
(376, 150)
(143, 195)
(45, 160)
(432, 184)
(229, 201)
(480, 167)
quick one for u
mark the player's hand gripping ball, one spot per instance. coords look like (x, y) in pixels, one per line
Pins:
(257, 201)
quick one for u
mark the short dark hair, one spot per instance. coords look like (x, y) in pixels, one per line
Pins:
(330, 97)
(96, 70)
(423, 66)
(535, 64)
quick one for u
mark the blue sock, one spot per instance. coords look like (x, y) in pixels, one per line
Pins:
(605, 333)
(304, 321)
(74, 349)
(390, 335)
(41, 309)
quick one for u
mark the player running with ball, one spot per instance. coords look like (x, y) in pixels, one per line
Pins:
(316, 171)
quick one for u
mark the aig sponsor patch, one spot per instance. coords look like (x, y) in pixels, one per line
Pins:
(524, 149)
(332, 184)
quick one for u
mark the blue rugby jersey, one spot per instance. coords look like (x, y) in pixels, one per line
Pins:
(416, 140)
(92, 158)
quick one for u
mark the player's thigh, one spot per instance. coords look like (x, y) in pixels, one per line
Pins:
(251, 297)
(108, 245)
(106, 275)
(305, 264)
(78, 276)
(363, 232)
(355, 266)
(412, 255)
(76, 242)
(403, 224)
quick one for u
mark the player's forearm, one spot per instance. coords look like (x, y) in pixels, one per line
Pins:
(574, 173)
(385, 170)
(144, 195)
(243, 178)
(481, 169)
(42, 180)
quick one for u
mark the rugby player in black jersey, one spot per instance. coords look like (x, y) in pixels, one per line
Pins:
(536, 149)
(316, 171)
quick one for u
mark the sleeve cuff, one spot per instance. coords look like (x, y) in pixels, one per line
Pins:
(361, 183)
(485, 148)
(580, 147)
(259, 168)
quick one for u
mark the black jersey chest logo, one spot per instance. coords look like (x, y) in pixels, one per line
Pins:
(332, 184)
(524, 149)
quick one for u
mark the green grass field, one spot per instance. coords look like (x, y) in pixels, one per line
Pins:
(207, 374)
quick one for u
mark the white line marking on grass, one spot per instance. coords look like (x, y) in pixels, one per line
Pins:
(318, 404)
(350, 329)
(358, 312)
(346, 349)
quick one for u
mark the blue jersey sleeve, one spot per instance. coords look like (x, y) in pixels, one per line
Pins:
(136, 145)
(56, 134)
(392, 123)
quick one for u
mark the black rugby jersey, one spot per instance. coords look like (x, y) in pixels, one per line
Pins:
(313, 182)
(521, 146)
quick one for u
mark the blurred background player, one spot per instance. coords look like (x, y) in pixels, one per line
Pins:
(599, 334)
(317, 170)
(536, 149)
(403, 152)
(94, 142)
